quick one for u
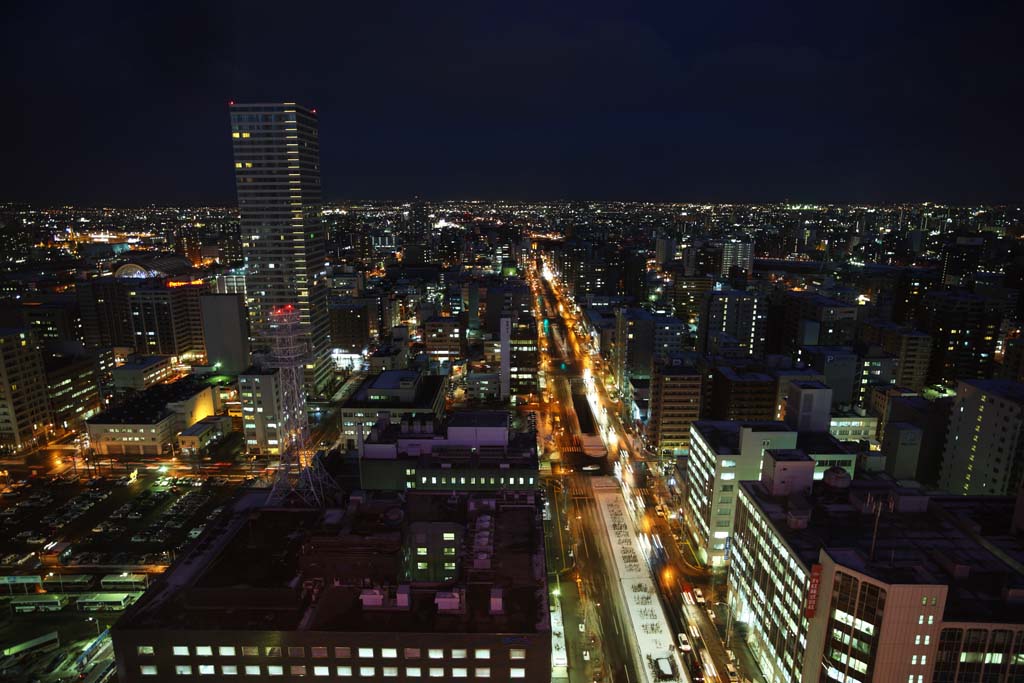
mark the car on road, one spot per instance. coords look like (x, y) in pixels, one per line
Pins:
(586, 655)
(684, 642)
(699, 595)
(732, 673)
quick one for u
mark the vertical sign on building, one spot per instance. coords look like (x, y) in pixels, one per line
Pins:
(812, 591)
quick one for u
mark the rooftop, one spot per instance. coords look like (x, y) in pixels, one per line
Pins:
(723, 436)
(150, 406)
(306, 569)
(1003, 388)
(964, 542)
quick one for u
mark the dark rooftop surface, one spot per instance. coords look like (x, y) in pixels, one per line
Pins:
(964, 542)
(723, 436)
(304, 569)
(817, 443)
(427, 390)
(1004, 388)
(150, 406)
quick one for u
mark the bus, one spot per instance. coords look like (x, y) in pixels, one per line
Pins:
(106, 602)
(68, 583)
(124, 582)
(38, 602)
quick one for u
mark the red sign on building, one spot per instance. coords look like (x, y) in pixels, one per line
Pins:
(812, 591)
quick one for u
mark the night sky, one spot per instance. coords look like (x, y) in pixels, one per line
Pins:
(126, 103)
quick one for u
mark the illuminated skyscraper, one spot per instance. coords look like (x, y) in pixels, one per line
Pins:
(277, 174)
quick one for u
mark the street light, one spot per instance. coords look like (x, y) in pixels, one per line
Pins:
(60, 580)
(95, 621)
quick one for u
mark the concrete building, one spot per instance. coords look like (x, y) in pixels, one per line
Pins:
(165, 316)
(722, 454)
(737, 253)
(811, 319)
(675, 404)
(195, 441)
(732, 317)
(139, 373)
(809, 406)
(469, 451)
(148, 424)
(24, 409)
(443, 339)
(912, 349)
(741, 395)
(964, 328)
(73, 389)
(840, 366)
(350, 325)
(901, 448)
(277, 173)
(867, 581)
(438, 587)
(267, 419)
(523, 356)
(984, 451)
(226, 332)
(400, 394)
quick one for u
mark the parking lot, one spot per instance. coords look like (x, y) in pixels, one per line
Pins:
(108, 523)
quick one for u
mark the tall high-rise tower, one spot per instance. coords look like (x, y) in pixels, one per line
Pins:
(277, 174)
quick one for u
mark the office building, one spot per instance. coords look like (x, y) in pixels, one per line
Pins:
(468, 451)
(165, 317)
(432, 587)
(523, 356)
(840, 366)
(808, 406)
(350, 325)
(73, 389)
(106, 322)
(226, 332)
(901, 448)
(688, 293)
(984, 451)
(443, 339)
(267, 417)
(277, 173)
(868, 581)
(401, 394)
(963, 328)
(139, 373)
(675, 404)
(731, 317)
(24, 409)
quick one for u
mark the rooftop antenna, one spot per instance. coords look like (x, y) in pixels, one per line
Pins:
(877, 505)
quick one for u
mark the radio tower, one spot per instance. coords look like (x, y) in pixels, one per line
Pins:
(298, 473)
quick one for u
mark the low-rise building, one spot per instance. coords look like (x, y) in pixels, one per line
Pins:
(398, 393)
(470, 451)
(139, 373)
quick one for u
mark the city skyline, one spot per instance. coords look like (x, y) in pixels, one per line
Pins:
(737, 103)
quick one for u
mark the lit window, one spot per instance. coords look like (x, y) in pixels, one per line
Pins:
(183, 669)
(343, 670)
(436, 672)
(413, 672)
(367, 671)
(390, 671)
(144, 649)
(482, 653)
(421, 551)
(435, 653)
(517, 653)
(321, 671)
(250, 651)
(389, 652)
(482, 672)
(204, 651)
(226, 651)
(366, 652)
(207, 670)
(458, 654)
(275, 670)
(460, 672)
(180, 650)
(517, 673)
(229, 670)
(252, 670)
(421, 565)
(148, 670)
(449, 536)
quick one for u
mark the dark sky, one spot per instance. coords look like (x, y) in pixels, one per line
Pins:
(126, 102)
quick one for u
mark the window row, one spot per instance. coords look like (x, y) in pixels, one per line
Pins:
(322, 652)
(343, 671)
